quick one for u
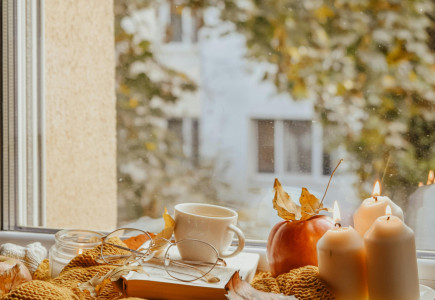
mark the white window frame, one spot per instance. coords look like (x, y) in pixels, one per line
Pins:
(23, 193)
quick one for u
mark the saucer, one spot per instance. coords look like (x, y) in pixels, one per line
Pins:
(426, 293)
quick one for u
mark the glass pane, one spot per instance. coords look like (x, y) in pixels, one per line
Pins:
(175, 126)
(266, 146)
(195, 142)
(297, 146)
(226, 102)
(175, 30)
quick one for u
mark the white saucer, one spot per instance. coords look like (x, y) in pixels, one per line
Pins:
(426, 293)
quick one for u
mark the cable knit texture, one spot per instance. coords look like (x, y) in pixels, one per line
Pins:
(304, 283)
(65, 287)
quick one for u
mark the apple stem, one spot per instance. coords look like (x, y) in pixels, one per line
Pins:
(330, 178)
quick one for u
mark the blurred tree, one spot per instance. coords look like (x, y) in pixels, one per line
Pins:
(152, 169)
(368, 66)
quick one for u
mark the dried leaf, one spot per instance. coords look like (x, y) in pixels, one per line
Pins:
(310, 205)
(91, 285)
(166, 233)
(283, 203)
(239, 289)
(135, 242)
(96, 284)
(289, 210)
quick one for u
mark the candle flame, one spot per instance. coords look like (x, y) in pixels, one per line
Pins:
(376, 189)
(388, 211)
(336, 215)
(420, 184)
(430, 177)
(80, 251)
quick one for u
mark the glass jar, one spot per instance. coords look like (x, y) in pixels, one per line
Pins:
(68, 244)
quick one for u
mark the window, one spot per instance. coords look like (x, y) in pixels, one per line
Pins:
(175, 28)
(182, 22)
(265, 146)
(186, 132)
(22, 110)
(286, 147)
(89, 127)
(297, 146)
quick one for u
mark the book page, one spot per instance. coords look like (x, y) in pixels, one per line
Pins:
(246, 263)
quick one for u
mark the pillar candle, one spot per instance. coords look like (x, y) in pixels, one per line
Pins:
(373, 208)
(391, 260)
(341, 261)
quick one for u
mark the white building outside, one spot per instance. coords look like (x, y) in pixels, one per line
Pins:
(250, 132)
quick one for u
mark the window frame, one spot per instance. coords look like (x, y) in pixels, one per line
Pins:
(22, 110)
(279, 157)
(12, 89)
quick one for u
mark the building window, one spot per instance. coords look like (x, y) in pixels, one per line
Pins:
(195, 142)
(176, 127)
(175, 27)
(297, 146)
(265, 146)
(182, 23)
(284, 146)
(186, 131)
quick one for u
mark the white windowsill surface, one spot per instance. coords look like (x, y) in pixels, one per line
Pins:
(426, 267)
(24, 238)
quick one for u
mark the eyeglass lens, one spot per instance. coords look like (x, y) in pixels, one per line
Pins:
(199, 258)
(114, 252)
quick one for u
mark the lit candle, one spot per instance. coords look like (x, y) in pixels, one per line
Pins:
(430, 178)
(373, 208)
(419, 214)
(341, 261)
(391, 260)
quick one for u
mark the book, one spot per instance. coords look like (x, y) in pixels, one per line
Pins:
(157, 284)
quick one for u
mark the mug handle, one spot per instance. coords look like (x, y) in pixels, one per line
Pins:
(240, 237)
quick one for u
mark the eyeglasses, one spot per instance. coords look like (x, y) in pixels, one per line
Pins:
(144, 249)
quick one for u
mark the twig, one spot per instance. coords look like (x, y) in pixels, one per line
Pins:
(386, 167)
(330, 178)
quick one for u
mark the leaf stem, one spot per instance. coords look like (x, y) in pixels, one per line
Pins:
(386, 167)
(330, 178)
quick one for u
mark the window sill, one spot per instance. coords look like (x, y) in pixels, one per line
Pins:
(24, 238)
(426, 266)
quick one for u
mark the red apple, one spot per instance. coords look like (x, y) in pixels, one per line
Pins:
(292, 244)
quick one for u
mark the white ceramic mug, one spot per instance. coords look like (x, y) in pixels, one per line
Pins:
(213, 224)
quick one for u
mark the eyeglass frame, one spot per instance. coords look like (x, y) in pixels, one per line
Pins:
(166, 258)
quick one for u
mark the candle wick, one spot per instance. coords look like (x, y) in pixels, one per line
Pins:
(388, 218)
(338, 225)
(376, 198)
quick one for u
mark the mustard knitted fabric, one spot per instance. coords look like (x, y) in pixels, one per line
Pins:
(304, 283)
(65, 287)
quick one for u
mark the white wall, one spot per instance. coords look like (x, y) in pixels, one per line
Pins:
(231, 95)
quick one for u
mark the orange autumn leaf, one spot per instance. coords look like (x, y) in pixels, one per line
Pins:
(135, 242)
(310, 204)
(166, 233)
(289, 210)
(283, 203)
(101, 286)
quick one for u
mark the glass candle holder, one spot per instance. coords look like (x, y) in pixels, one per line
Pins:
(68, 244)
